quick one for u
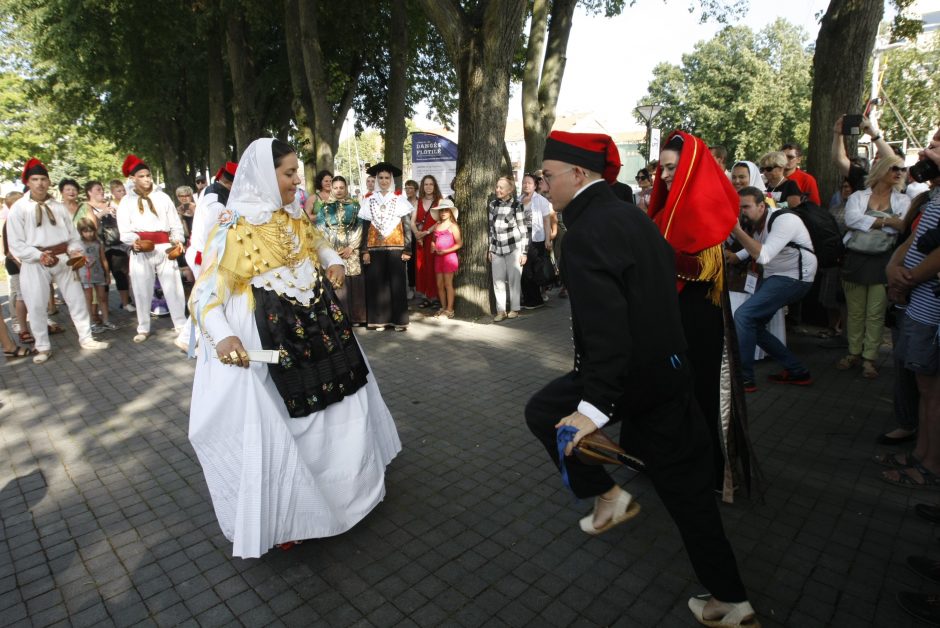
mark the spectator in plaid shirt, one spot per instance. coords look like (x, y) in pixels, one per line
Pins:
(508, 241)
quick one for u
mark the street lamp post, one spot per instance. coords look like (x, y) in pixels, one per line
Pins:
(648, 113)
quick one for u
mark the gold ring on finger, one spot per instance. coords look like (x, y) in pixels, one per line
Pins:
(233, 356)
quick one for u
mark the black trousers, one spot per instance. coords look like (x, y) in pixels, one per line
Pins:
(704, 329)
(536, 257)
(661, 423)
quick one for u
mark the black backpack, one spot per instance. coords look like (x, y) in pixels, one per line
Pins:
(108, 231)
(823, 231)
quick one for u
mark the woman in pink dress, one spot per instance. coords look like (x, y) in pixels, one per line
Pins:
(447, 241)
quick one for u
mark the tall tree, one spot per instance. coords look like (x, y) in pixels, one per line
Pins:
(244, 80)
(215, 94)
(545, 58)
(544, 69)
(844, 44)
(911, 88)
(481, 43)
(397, 85)
(331, 82)
(302, 101)
(747, 91)
(412, 66)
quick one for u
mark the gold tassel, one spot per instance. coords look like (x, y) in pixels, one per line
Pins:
(712, 260)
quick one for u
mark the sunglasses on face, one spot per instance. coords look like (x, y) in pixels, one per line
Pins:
(642, 178)
(769, 168)
(898, 169)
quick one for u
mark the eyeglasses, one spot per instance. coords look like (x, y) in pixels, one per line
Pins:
(769, 168)
(642, 178)
(549, 176)
(898, 169)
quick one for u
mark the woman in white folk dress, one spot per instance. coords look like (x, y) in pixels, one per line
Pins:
(295, 449)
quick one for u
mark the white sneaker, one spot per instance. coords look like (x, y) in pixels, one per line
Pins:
(141, 337)
(93, 344)
(130, 308)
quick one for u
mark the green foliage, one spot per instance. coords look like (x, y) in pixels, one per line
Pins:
(747, 91)
(33, 127)
(904, 25)
(721, 11)
(911, 83)
(128, 71)
(431, 76)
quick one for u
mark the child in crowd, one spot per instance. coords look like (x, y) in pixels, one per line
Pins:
(447, 241)
(93, 275)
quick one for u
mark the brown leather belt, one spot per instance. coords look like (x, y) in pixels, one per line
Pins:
(57, 249)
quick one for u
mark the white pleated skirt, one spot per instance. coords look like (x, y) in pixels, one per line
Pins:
(274, 478)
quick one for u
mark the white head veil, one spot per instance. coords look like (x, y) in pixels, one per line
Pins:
(255, 193)
(756, 180)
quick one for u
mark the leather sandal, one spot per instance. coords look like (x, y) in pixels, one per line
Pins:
(741, 614)
(624, 510)
(868, 370)
(848, 362)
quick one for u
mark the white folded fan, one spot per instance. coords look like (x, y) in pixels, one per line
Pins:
(270, 356)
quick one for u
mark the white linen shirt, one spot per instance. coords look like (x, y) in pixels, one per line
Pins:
(857, 205)
(779, 259)
(130, 220)
(27, 240)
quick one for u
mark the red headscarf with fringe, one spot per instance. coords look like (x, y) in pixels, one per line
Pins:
(698, 211)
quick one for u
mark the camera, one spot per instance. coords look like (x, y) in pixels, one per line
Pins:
(852, 124)
(924, 170)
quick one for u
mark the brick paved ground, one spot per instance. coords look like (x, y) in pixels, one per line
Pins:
(106, 519)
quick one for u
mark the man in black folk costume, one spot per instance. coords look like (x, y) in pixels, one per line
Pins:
(630, 366)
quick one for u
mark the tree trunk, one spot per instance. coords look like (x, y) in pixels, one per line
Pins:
(397, 85)
(174, 169)
(302, 101)
(843, 47)
(215, 85)
(328, 123)
(243, 83)
(541, 82)
(481, 46)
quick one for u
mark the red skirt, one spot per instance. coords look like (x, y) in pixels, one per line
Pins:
(425, 281)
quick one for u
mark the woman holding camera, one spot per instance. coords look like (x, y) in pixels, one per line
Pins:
(874, 215)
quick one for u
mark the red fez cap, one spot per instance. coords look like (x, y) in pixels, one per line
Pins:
(33, 166)
(594, 151)
(133, 163)
(227, 171)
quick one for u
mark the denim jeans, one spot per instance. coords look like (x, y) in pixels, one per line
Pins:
(750, 321)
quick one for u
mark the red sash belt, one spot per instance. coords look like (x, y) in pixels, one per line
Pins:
(157, 237)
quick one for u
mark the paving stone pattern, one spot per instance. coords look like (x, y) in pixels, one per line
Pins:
(106, 518)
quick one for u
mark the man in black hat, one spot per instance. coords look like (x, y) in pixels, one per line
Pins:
(386, 246)
(630, 366)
